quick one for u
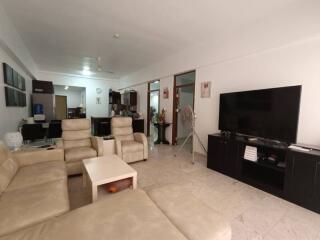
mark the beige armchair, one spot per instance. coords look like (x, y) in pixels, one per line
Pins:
(78, 144)
(130, 147)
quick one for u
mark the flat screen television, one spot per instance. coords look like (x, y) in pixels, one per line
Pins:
(268, 113)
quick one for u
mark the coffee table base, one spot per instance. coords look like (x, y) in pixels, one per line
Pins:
(94, 187)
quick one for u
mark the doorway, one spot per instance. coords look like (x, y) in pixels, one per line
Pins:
(70, 102)
(61, 107)
(153, 108)
(183, 103)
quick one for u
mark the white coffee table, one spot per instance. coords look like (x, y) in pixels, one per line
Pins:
(106, 169)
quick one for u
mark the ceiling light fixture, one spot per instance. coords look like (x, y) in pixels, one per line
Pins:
(86, 71)
(66, 87)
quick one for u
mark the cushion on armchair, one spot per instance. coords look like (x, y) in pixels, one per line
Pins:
(79, 153)
(79, 144)
(131, 146)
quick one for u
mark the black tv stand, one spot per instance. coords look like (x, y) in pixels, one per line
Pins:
(286, 173)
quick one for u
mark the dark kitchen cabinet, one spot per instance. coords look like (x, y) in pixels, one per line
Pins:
(114, 97)
(138, 125)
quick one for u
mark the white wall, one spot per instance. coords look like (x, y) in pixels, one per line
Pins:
(296, 64)
(11, 116)
(83, 97)
(290, 64)
(74, 98)
(11, 42)
(92, 108)
(15, 53)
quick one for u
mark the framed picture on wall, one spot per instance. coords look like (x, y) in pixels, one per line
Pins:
(11, 97)
(15, 79)
(7, 74)
(205, 89)
(23, 84)
(19, 82)
(22, 100)
(166, 93)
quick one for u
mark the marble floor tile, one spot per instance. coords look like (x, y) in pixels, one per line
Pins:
(253, 214)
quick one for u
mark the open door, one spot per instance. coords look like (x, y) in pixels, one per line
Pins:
(184, 85)
(61, 107)
(153, 107)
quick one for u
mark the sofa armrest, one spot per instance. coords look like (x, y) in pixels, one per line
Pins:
(141, 138)
(29, 157)
(97, 144)
(118, 146)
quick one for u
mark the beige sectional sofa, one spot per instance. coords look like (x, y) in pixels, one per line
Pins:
(33, 188)
(34, 205)
(132, 215)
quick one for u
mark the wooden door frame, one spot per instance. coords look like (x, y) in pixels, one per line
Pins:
(148, 104)
(174, 113)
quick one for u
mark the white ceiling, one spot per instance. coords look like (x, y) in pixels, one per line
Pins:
(65, 35)
(70, 88)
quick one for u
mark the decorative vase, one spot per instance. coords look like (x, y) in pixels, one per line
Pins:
(13, 140)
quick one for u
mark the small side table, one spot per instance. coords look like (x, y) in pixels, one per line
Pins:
(106, 169)
(109, 146)
(162, 133)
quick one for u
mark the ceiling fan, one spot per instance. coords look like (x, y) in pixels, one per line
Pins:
(100, 67)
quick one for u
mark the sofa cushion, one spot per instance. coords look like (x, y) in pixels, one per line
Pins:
(27, 206)
(76, 135)
(121, 128)
(76, 154)
(8, 167)
(125, 215)
(121, 122)
(122, 131)
(131, 146)
(192, 217)
(77, 143)
(74, 168)
(75, 124)
(36, 174)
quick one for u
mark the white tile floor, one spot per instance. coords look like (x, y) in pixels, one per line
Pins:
(253, 214)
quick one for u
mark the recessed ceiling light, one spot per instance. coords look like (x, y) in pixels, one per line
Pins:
(116, 35)
(66, 87)
(86, 71)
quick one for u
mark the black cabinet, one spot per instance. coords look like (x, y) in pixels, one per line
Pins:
(215, 153)
(114, 97)
(130, 98)
(138, 125)
(302, 179)
(222, 155)
(101, 126)
(294, 175)
(317, 188)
